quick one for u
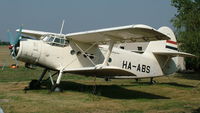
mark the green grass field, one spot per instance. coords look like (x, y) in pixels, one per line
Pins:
(5, 58)
(178, 93)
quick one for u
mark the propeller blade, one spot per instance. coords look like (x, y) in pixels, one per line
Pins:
(19, 33)
(14, 43)
(15, 40)
(11, 38)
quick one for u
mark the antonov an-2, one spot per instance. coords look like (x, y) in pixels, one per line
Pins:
(92, 53)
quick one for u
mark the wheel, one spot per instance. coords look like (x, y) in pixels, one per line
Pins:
(34, 84)
(107, 79)
(56, 88)
(153, 82)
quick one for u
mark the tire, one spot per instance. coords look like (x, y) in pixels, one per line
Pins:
(56, 88)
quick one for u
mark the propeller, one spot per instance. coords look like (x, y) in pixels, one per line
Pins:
(14, 43)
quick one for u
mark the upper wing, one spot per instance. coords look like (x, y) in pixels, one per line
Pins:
(35, 34)
(131, 33)
(173, 54)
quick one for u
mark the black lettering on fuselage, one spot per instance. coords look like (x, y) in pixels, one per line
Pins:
(129, 65)
(148, 69)
(138, 68)
(124, 64)
(143, 68)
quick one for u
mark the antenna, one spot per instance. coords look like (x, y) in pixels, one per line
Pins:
(61, 29)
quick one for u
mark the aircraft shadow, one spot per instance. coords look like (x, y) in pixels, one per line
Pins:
(110, 91)
(177, 85)
(196, 110)
(193, 76)
(169, 83)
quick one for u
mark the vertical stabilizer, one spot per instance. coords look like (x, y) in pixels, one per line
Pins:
(166, 62)
(164, 45)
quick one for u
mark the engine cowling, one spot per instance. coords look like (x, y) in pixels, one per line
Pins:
(29, 51)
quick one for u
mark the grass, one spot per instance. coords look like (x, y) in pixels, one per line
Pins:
(5, 58)
(177, 94)
(180, 93)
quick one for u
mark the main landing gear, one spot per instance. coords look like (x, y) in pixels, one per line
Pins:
(56, 87)
(152, 81)
(36, 84)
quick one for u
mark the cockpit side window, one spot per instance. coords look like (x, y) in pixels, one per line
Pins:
(46, 38)
(62, 41)
(51, 39)
(55, 40)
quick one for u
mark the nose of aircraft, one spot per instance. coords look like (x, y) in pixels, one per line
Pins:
(26, 50)
(29, 51)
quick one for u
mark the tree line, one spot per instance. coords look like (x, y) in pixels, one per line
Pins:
(187, 29)
(4, 43)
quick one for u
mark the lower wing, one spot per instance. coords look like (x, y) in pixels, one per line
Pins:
(100, 72)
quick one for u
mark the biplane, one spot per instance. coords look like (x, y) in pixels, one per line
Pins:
(93, 53)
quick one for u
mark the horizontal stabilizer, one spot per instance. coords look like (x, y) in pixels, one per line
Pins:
(173, 53)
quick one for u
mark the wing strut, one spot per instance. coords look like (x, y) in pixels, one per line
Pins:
(111, 44)
(105, 62)
(165, 63)
(86, 51)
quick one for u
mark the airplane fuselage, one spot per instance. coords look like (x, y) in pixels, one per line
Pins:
(72, 57)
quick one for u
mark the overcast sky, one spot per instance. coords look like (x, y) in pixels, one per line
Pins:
(82, 15)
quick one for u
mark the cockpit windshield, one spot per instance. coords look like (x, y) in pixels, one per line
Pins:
(55, 40)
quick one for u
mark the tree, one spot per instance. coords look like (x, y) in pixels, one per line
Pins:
(4, 43)
(187, 25)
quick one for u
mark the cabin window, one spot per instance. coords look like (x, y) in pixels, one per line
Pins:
(91, 57)
(110, 60)
(78, 53)
(51, 39)
(139, 48)
(72, 52)
(62, 41)
(57, 40)
(121, 47)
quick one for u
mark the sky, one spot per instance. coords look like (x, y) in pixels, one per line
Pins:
(82, 15)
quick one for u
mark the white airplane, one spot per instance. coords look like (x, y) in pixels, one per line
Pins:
(92, 53)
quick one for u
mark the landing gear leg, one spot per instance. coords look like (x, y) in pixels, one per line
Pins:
(35, 84)
(56, 87)
(152, 81)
